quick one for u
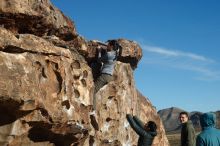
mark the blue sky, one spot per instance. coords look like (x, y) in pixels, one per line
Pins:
(180, 66)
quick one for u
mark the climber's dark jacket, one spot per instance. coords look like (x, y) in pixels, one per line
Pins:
(145, 137)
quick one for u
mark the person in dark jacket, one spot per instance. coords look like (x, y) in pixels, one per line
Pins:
(210, 136)
(188, 134)
(146, 132)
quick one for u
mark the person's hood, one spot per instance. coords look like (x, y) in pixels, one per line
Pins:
(207, 120)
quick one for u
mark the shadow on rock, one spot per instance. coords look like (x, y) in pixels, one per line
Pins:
(42, 132)
(10, 112)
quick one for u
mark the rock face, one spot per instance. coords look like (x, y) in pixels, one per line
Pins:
(37, 17)
(46, 84)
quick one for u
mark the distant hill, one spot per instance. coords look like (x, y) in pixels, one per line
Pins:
(171, 122)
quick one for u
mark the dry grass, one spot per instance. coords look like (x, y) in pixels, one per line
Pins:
(174, 139)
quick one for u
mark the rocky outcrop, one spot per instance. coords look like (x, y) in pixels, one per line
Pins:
(46, 84)
(45, 90)
(37, 17)
(170, 119)
(41, 18)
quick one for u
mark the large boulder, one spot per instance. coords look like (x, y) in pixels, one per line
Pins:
(46, 83)
(42, 19)
(46, 94)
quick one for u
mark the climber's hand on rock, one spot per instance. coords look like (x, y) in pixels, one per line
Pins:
(132, 111)
(128, 115)
(99, 48)
(84, 131)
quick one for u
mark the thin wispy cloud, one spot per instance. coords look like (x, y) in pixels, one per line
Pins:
(199, 64)
(175, 53)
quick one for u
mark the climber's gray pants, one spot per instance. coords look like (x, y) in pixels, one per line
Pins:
(102, 80)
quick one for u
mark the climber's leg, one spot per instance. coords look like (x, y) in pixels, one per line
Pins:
(99, 83)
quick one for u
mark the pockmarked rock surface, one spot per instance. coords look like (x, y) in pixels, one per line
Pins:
(37, 17)
(45, 90)
(46, 83)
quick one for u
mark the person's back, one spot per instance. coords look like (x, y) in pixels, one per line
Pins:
(108, 59)
(146, 137)
(210, 136)
(145, 140)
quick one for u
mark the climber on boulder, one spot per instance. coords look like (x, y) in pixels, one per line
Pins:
(146, 132)
(107, 57)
